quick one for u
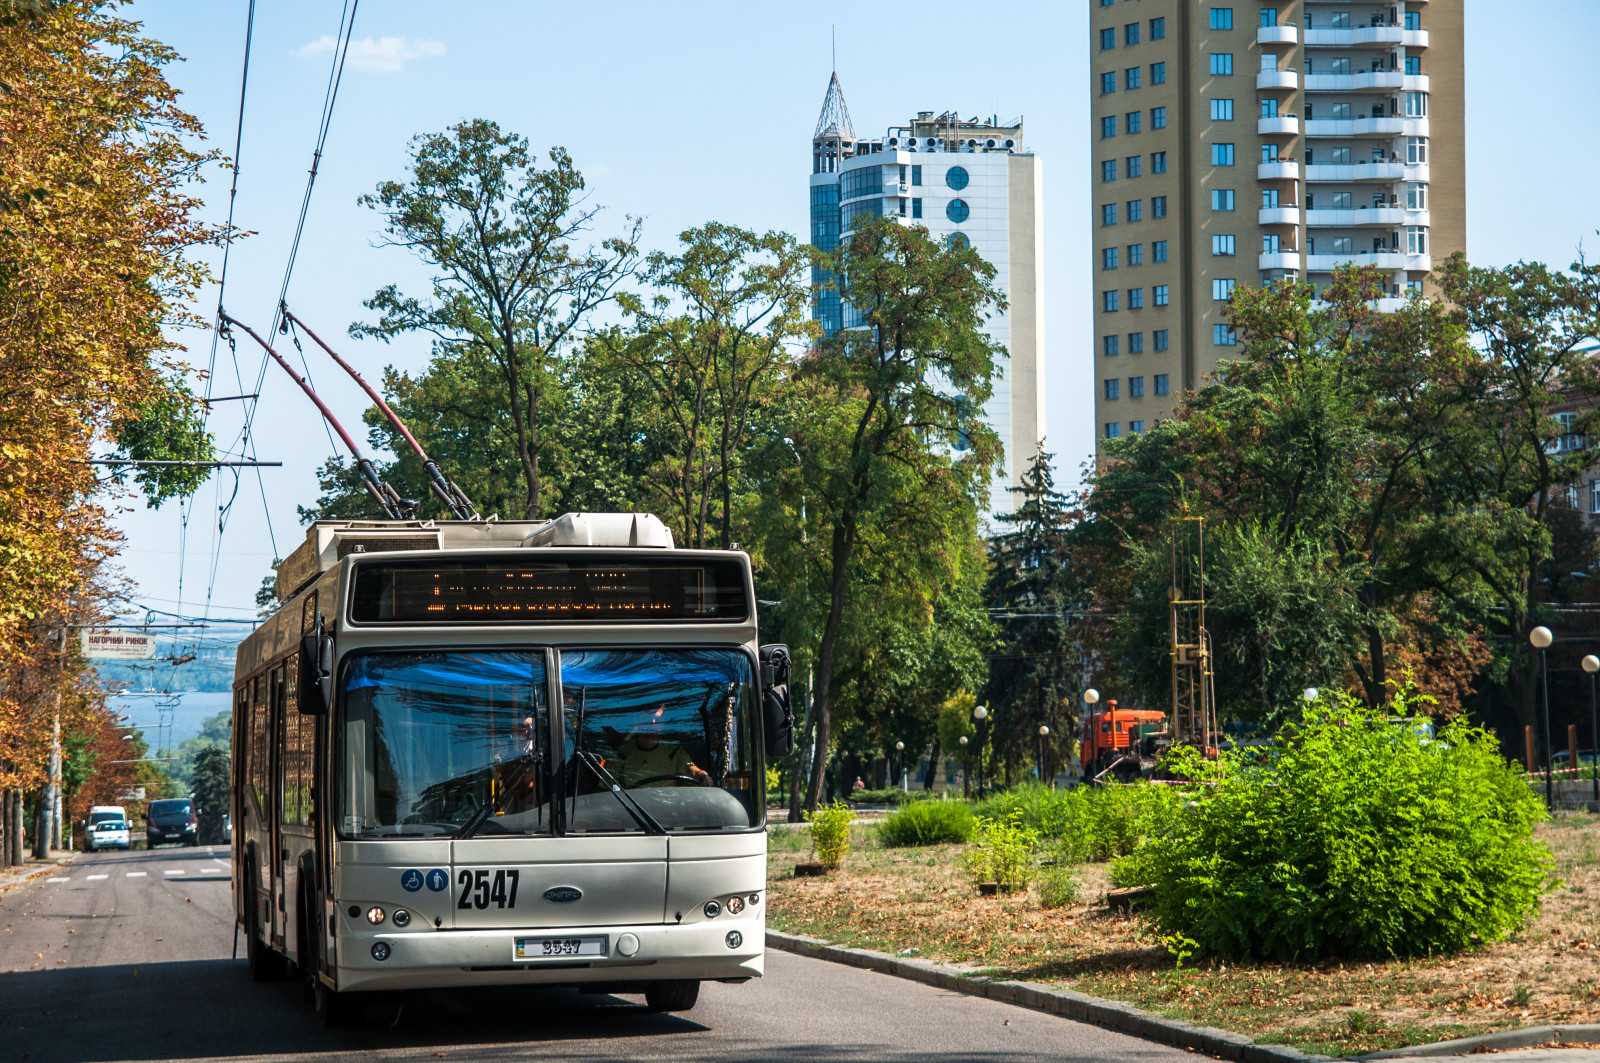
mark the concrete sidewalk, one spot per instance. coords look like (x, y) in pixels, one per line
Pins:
(15, 876)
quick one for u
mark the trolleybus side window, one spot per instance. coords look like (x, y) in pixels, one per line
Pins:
(436, 743)
(258, 741)
(296, 759)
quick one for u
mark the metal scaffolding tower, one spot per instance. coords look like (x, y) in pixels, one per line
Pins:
(1194, 717)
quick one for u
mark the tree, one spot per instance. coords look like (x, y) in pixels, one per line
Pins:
(510, 294)
(903, 391)
(212, 788)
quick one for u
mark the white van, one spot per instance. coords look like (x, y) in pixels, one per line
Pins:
(106, 828)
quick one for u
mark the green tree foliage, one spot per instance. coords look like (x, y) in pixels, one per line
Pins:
(211, 787)
(511, 294)
(216, 732)
(1356, 837)
(166, 426)
(928, 823)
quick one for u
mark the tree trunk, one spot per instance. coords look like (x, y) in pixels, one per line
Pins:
(933, 766)
(5, 828)
(803, 762)
(843, 542)
(41, 825)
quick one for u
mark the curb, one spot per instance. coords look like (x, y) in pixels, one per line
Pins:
(1502, 1041)
(1080, 1006)
(28, 876)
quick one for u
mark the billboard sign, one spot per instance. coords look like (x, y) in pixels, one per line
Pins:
(107, 645)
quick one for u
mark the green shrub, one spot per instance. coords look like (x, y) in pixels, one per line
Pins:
(1095, 823)
(1058, 887)
(928, 823)
(1356, 837)
(830, 832)
(1035, 806)
(1002, 852)
(889, 797)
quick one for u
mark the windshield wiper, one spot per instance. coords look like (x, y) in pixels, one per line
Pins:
(481, 816)
(630, 804)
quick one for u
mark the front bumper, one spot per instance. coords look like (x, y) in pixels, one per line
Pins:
(421, 957)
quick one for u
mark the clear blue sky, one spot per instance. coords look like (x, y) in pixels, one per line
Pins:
(692, 111)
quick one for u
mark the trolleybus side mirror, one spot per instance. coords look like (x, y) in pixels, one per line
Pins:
(777, 715)
(316, 674)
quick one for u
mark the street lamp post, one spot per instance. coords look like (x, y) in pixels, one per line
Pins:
(966, 769)
(1541, 639)
(1044, 733)
(900, 750)
(1090, 698)
(1591, 664)
(981, 713)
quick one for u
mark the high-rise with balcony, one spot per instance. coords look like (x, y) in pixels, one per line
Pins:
(1245, 143)
(968, 181)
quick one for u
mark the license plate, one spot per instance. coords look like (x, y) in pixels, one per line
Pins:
(561, 948)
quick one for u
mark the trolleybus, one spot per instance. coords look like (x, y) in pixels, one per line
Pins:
(488, 752)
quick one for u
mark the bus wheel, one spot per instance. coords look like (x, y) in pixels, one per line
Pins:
(334, 1009)
(678, 995)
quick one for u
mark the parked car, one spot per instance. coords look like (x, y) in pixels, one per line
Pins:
(171, 820)
(1561, 759)
(106, 828)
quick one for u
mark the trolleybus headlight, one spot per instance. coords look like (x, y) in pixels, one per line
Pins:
(735, 939)
(375, 915)
(402, 918)
(735, 905)
(380, 950)
(713, 909)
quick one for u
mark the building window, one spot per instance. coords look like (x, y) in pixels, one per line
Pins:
(1269, 107)
(1413, 20)
(1222, 110)
(957, 240)
(1130, 34)
(1416, 105)
(1135, 298)
(1158, 162)
(1135, 165)
(1135, 210)
(1108, 301)
(1416, 197)
(1416, 150)
(1413, 64)
(902, 206)
(1108, 258)
(1158, 29)
(1339, 65)
(956, 178)
(1163, 387)
(1108, 214)
(1113, 430)
(957, 210)
(1108, 170)
(851, 211)
(1222, 154)
(1269, 198)
(1339, 20)
(1109, 343)
(1344, 245)
(1416, 240)
(1135, 343)
(1269, 153)
(1158, 251)
(1222, 63)
(916, 208)
(1222, 246)
(1223, 336)
(1136, 387)
(1222, 18)
(1113, 385)
(1108, 83)
(1108, 127)
(1108, 40)
(1161, 295)
(1221, 290)
(1158, 75)
(867, 181)
(1269, 16)
(1135, 428)
(1131, 77)
(916, 176)
(1131, 121)
(1135, 254)
(1270, 243)
(1158, 207)
(1221, 199)
(1594, 496)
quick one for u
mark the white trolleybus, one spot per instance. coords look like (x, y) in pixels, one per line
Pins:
(496, 752)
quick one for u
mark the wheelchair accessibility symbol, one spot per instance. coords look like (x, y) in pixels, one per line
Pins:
(438, 880)
(411, 880)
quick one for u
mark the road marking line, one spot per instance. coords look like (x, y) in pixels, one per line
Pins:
(170, 872)
(136, 874)
(96, 878)
(211, 870)
(58, 880)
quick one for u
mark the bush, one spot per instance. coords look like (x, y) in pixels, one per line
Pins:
(1003, 853)
(889, 797)
(830, 833)
(1058, 887)
(1092, 822)
(928, 823)
(1357, 838)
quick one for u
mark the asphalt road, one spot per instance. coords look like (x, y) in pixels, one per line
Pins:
(125, 956)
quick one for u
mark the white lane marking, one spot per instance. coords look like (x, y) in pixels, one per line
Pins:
(58, 880)
(211, 870)
(136, 874)
(96, 878)
(170, 871)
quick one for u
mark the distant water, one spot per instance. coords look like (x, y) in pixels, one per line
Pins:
(167, 720)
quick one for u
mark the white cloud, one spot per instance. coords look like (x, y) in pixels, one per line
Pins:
(383, 55)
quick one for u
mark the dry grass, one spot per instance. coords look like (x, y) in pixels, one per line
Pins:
(896, 900)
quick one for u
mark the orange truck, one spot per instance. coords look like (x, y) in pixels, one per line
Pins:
(1113, 733)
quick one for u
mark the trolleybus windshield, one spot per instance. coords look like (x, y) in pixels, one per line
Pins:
(457, 742)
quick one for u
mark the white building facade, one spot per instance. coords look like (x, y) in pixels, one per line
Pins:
(967, 181)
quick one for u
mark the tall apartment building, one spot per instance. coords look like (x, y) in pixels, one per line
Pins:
(967, 180)
(1254, 142)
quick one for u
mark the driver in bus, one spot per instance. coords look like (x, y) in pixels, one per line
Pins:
(647, 760)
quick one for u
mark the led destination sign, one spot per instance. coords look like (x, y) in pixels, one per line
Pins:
(552, 591)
